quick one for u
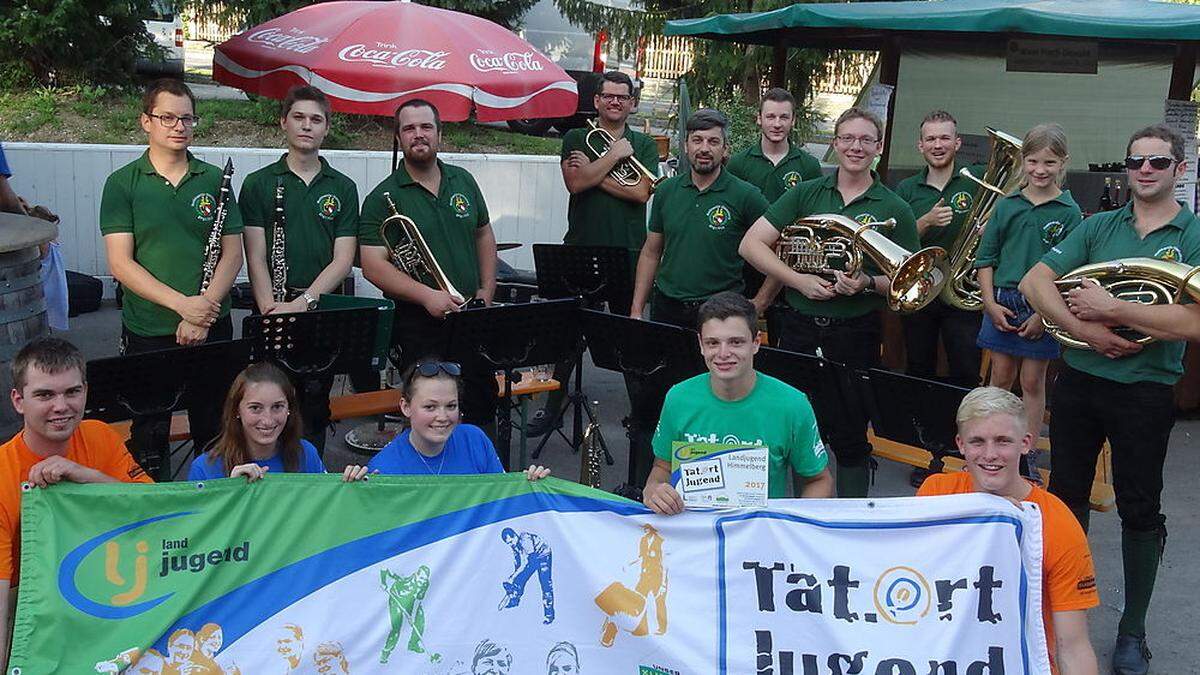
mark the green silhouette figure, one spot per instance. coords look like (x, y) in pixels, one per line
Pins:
(406, 604)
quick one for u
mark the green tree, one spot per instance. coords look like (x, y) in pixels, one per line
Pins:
(240, 14)
(63, 42)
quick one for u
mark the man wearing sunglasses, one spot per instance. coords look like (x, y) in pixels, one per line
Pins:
(156, 214)
(1119, 390)
(838, 315)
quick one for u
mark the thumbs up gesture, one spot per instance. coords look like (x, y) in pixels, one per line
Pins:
(939, 216)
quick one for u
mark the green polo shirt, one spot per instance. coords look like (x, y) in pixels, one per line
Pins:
(1108, 236)
(1018, 234)
(315, 214)
(959, 195)
(821, 195)
(596, 218)
(752, 166)
(170, 227)
(448, 220)
(701, 232)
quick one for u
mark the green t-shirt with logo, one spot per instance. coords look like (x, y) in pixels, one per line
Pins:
(315, 214)
(1018, 234)
(1111, 235)
(170, 227)
(596, 218)
(752, 166)
(701, 232)
(877, 204)
(959, 195)
(448, 220)
(773, 414)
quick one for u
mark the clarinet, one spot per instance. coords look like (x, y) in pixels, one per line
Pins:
(212, 250)
(279, 267)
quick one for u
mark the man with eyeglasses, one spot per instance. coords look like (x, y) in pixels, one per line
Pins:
(838, 316)
(448, 208)
(156, 214)
(601, 211)
(320, 222)
(1120, 390)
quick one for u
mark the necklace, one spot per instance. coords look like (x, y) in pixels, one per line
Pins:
(426, 461)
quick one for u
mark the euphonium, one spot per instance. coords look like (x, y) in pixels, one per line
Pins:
(1149, 281)
(811, 244)
(629, 171)
(1002, 175)
(411, 254)
(279, 266)
(589, 457)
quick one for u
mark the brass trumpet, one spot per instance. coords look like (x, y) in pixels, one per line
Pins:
(629, 171)
(1149, 281)
(811, 244)
(411, 254)
(1002, 175)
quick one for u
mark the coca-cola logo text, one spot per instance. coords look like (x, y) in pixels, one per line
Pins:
(507, 63)
(292, 40)
(389, 58)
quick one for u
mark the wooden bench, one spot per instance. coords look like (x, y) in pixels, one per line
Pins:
(1102, 497)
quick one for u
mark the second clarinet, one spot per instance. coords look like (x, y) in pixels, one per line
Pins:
(279, 266)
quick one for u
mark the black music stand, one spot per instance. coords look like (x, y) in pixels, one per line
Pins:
(824, 382)
(507, 337)
(595, 275)
(913, 411)
(659, 354)
(311, 344)
(161, 382)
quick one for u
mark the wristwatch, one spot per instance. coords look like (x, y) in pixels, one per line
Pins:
(870, 287)
(310, 300)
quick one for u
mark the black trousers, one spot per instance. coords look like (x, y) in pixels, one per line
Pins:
(149, 435)
(417, 336)
(854, 342)
(957, 329)
(1136, 419)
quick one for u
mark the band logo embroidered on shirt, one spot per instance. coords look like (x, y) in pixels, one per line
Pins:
(868, 219)
(1052, 232)
(718, 217)
(205, 206)
(460, 204)
(961, 201)
(328, 206)
(1169, 253)
(791, 179)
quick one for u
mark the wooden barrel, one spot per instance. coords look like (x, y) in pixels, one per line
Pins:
(22, 303)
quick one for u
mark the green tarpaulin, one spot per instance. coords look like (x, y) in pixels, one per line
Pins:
(847, 22)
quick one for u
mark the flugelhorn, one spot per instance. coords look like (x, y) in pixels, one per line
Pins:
(812, 244)
(1148, 281)
(212, 249)
(279, 266)
(1002, 175)
(629, 171)
(411, 254)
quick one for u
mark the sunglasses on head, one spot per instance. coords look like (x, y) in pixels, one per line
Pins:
(432, 368)
(1158, 162)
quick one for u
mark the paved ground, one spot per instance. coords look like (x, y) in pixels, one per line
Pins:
(1174, 615)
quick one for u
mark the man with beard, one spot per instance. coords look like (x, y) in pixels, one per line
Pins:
(320, 220)
(445, 203)
(1120, 390)
(838, 314)
(491, 659)
(289, 644)
(55, 445)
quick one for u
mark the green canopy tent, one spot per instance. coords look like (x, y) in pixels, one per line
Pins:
(882, 26)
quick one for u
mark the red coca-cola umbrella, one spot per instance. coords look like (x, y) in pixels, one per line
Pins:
(369, 57)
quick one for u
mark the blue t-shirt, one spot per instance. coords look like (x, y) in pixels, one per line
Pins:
(208, 467)
(467, 451)
(4, 171)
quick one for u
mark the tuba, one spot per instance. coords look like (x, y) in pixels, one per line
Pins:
(1148, 281)
(1002, 175)
(629, 171)
(811, 244)
(212, 249)
(411, 254)
(279, 266)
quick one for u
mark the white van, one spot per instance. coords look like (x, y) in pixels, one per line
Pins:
(582, 54)
(165, 25)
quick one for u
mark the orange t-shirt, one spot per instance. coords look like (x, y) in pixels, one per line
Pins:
(1068, 578)
(94, 445)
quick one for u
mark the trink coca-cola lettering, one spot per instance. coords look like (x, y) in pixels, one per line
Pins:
(292, 40)
(507, 63)
(388, 58)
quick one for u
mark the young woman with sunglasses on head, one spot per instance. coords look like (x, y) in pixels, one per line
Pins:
(259, 432)
(436, 443)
